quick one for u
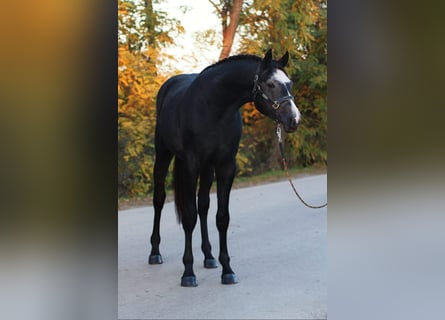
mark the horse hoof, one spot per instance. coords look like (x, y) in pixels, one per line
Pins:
(210, 263)
(189, 281)
(229, 278)
(155, 259)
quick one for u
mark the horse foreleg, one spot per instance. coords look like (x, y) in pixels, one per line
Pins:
(162, 162)
(205, 183)
(224, 177)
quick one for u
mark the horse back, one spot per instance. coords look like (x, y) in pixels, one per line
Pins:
(172, 90)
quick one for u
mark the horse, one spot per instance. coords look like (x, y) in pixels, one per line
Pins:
(198, 123)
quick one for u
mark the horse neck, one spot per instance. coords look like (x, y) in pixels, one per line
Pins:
(231, 85)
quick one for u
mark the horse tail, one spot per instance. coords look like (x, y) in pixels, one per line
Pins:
(178, 183)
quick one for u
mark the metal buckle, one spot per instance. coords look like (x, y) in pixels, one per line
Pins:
(275, 105)
(279, 133)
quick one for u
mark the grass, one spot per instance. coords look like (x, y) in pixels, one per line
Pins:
(240, 182)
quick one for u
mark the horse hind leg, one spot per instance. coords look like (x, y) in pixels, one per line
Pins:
(205, 183)
(162, 162)
(186, 176)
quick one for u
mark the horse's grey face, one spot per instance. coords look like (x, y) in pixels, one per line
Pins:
(277, 87)
(273, 93)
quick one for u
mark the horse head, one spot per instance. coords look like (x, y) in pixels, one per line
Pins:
(272, 92)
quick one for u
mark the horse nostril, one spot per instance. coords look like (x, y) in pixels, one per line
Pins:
(293, 123)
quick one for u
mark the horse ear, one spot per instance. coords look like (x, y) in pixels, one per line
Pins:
(266, 60)
(284, 60)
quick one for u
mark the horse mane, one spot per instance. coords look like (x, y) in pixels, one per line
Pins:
(234, 58)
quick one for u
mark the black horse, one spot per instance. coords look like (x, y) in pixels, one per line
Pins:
(198, 123)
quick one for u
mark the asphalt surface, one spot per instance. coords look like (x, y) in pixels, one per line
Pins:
(277, 248)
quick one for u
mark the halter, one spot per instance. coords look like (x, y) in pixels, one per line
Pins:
(274, 103)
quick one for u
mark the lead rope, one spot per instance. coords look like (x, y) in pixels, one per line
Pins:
(286, 170)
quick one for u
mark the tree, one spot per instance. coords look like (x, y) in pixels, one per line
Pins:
(142, 32)
(298, 26)
(229, 12)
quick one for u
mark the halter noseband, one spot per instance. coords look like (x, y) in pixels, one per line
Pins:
(275, 103)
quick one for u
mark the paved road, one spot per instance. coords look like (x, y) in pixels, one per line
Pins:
(277, 248)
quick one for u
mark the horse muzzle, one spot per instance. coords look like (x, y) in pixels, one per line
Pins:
(290, 116)
(291, 124)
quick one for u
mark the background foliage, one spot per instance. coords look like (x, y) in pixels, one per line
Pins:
(295, 25)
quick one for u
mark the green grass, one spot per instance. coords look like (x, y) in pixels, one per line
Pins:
(276, 175)
(240, 182)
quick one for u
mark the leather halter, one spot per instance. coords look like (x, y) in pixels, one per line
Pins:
(274, 103)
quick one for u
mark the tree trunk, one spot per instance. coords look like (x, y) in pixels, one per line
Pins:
(230, 18)
(150, 23)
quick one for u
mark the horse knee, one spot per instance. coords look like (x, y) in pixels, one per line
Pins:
(159, 197)
(189, 221)
(158, 204)
(222, 221)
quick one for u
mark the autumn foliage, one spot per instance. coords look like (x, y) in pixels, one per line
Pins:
(137, 88)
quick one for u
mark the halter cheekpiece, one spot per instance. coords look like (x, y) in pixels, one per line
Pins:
(274, 103)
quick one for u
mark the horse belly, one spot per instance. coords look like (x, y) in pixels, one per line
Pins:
(221, 145)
